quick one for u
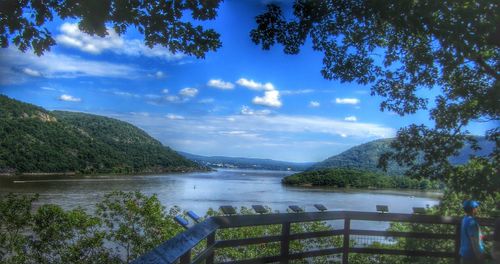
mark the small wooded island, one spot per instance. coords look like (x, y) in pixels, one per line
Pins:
(353, 178)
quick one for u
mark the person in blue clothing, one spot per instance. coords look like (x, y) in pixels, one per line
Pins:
(471, 243)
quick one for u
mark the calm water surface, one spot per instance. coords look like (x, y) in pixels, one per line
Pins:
(200, 191)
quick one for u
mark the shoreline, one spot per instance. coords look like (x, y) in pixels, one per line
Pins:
(39, 174)
(437, 192)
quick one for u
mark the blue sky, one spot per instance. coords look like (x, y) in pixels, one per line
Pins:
(239, 101)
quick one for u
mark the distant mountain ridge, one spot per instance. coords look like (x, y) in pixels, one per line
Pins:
(246, 163)
(34, 140)
(365, 157)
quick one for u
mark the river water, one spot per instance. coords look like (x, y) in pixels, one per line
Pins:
(202, 190)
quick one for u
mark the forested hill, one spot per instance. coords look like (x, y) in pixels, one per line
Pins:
(365, 157)
(34, 140)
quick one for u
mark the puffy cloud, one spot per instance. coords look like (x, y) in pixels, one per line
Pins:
(314, 104)
(69, 98)
(164, 91)
(270, 98)
(352, 101)
(351, 118)
(245, 110)
(71, 36)
(174, 117)
(188, 92)
(220, 84)
(251, 84)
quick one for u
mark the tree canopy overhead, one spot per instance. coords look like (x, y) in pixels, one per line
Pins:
(402, 48)
(23, 22)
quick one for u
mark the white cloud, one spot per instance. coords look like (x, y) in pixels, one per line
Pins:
(270, 98)
(188, 92)
(314, 104)
(71, 36)
(240, 134)
(296, 92)
(245, 110)
(174, 117)
(276, 134)
(351, 118)
(152, 96)
(362, 91)
(69, 98)
(206, 101)
(159, 74)
(173, 98)
(283, 137)
(251, 84)
(126, 94)
(164, 91)
(47, 88)
(220, 84)
(146, 114)
(52, 65)
(352, 101)
(32, 72)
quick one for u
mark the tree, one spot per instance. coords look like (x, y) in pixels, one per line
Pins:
(402, 49)
(136, 222)
(15, 215)
(23, 22)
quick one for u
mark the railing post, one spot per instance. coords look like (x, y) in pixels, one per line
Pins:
(285, 243)
(210, 242)
(457, 243)
(186, 258)
(347, 231)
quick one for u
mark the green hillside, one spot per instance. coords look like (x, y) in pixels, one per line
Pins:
(366, 156)
(362, 157)
(33, 139)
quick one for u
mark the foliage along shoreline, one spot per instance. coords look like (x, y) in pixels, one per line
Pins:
(358, 179)
(72, 173)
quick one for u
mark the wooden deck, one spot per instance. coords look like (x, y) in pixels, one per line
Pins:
(179, 248)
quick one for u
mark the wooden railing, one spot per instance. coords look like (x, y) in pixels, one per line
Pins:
(179, 248)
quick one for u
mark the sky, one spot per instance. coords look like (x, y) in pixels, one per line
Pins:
(239, 101)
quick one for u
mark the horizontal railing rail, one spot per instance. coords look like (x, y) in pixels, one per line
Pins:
(179, 248)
